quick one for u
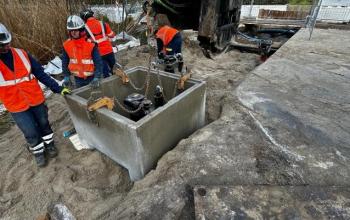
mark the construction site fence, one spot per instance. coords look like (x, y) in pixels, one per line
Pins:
(328, 12)
(265, 2)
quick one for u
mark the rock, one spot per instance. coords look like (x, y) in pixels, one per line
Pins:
(60, 212)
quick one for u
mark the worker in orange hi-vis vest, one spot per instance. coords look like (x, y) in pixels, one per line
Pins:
(22, 96)
(169, 40)
(80, 58)
(169, 43)
(99, 32)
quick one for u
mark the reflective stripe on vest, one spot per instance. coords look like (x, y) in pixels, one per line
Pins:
(74, 61)
(98, 31)
(79, 52)
(104, 37)
(19, 89)
(86, 73)
(110, 34)
(87, 61)
(24, 59)
(15, 81)
(26, 64)
(83, 61)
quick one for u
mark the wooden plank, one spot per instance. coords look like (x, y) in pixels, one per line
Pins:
(288, 15)
(276, 22)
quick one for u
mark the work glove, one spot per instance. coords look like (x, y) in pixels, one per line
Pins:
(95, 83)
(65, 91)
(66, 81)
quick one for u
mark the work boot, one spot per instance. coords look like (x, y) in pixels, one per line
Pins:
(38, 152)
(51, 150)
(40, 160)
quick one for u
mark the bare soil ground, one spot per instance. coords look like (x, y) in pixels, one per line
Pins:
(87, 182)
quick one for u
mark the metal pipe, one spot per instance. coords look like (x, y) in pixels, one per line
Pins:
(251, 8)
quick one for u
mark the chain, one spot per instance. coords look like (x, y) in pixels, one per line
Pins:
(93, 115)
(161, 85)
(146, 87)
(175, 89)
(127, 110)
(148, 79)
(137, 88)
(146, 84)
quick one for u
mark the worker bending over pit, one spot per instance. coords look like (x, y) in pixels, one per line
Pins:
(22, 96)
(169, 41)
(80, 57)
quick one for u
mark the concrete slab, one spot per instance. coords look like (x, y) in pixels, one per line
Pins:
(271, 202)
(137, 146)
(299, 99)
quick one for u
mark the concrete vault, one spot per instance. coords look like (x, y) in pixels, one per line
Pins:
(137, 145)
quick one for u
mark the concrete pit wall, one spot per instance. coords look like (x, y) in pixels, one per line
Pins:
(137, 146)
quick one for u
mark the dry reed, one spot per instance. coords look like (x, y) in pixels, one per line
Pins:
(38, 26)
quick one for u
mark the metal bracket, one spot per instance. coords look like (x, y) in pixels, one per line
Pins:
(124, 77)
(182, 80)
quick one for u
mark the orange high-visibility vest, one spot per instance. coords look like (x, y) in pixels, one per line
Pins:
(79, 52)
(100, 35)
(166, 34)
(19, 89)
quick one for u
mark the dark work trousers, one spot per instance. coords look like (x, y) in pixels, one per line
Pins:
(80, 82)
(175, 44)
(34, 124)
(108, 63)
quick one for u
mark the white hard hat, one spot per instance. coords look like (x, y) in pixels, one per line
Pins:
(5, 35)
(75, 22)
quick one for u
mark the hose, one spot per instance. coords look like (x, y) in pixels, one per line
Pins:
(160, 2)
(183, 5)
